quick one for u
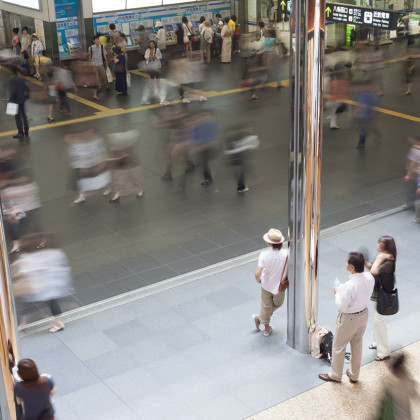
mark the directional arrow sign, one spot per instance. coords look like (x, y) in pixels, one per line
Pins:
(283, 5)
(355, 15)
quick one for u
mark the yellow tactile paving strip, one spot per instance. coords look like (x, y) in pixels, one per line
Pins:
(344, 401)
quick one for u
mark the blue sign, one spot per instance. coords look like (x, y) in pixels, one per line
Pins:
(65, 9)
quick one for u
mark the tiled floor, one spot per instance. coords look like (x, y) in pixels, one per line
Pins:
(190, 350)
(117, 248)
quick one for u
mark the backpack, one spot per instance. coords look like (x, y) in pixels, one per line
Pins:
(326, 345)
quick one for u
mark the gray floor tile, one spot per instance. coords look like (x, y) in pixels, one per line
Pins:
(132, 384)
(91, 346)
(188, 264)
(128, 333)
(158, 274)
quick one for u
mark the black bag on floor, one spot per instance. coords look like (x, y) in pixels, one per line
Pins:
(327, 345)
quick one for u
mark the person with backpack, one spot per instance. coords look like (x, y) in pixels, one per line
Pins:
(352, 299)
(206, 35)
(99, 61)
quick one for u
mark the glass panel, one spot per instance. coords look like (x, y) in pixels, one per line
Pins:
(32, 4)
(133, 4)
(107, 5)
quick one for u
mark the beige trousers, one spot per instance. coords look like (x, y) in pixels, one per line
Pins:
(349, 329)
(269, 303)
(380, 333)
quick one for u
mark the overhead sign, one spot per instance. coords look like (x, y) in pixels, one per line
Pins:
(284, 6)
(343, 13)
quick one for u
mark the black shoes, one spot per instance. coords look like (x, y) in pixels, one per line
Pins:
(18, 136)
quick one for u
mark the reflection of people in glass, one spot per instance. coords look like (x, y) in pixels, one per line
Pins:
(41, 273)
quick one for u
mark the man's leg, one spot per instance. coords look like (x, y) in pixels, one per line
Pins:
(343, 334)
(18, 120)
(267, 308)
(24, 118)
(356, 345)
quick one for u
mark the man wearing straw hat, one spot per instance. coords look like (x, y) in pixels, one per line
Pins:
(273, 269)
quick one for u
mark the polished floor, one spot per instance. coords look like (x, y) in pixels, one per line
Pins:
(118, 248)
(187, 348)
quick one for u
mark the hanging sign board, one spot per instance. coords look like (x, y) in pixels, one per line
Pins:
(375, 18)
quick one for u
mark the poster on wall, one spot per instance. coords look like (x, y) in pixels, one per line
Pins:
(67, 27)
(128, 21)
(39, 29)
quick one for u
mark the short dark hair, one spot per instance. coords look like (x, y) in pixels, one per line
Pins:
(95, 37)
(218, 15)
(15, 30)
(226, 19)
(233, 17)
(202, 19)
(141, 28)
(277, 246)
(25, 28)
(112, 26)
(357, 260)
(184, 19)
(261, 24)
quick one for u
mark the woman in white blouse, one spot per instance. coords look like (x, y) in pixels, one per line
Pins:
(153, 58)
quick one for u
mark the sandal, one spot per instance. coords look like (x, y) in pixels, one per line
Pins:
(267, 333)
(56, 329)
(372, 347)
(381, 359)
(257, 321)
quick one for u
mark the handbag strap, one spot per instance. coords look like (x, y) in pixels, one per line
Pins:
(284, 268)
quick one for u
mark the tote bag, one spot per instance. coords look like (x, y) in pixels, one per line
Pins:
(12, 108)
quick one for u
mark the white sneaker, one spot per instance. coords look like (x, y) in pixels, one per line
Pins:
(202, 99)
(164, 103)
(106, 192)
(79, 200)
(186, 101)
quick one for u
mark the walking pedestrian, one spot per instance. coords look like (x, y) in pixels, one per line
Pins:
(352, 299)
(273, 269)
(161, 40)
(120, 72)
(19, 92)
(382, 269)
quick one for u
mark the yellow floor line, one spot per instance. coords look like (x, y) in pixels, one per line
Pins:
(76, 98)
(107, 112)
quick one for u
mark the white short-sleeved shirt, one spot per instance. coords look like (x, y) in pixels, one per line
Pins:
(272, 261)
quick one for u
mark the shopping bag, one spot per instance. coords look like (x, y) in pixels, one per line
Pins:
(12, 108)
(109, 75)
(128, 80)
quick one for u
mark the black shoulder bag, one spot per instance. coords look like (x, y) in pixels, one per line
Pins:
(387, 302)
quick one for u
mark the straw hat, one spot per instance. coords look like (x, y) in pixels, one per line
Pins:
(273, 236)
(158, 24)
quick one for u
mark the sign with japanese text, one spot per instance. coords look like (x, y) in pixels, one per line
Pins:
(354, 15)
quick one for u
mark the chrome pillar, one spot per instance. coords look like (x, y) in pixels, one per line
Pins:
(306, 84)
(8, 332)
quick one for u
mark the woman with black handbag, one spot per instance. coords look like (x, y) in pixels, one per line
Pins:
(383, 270)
